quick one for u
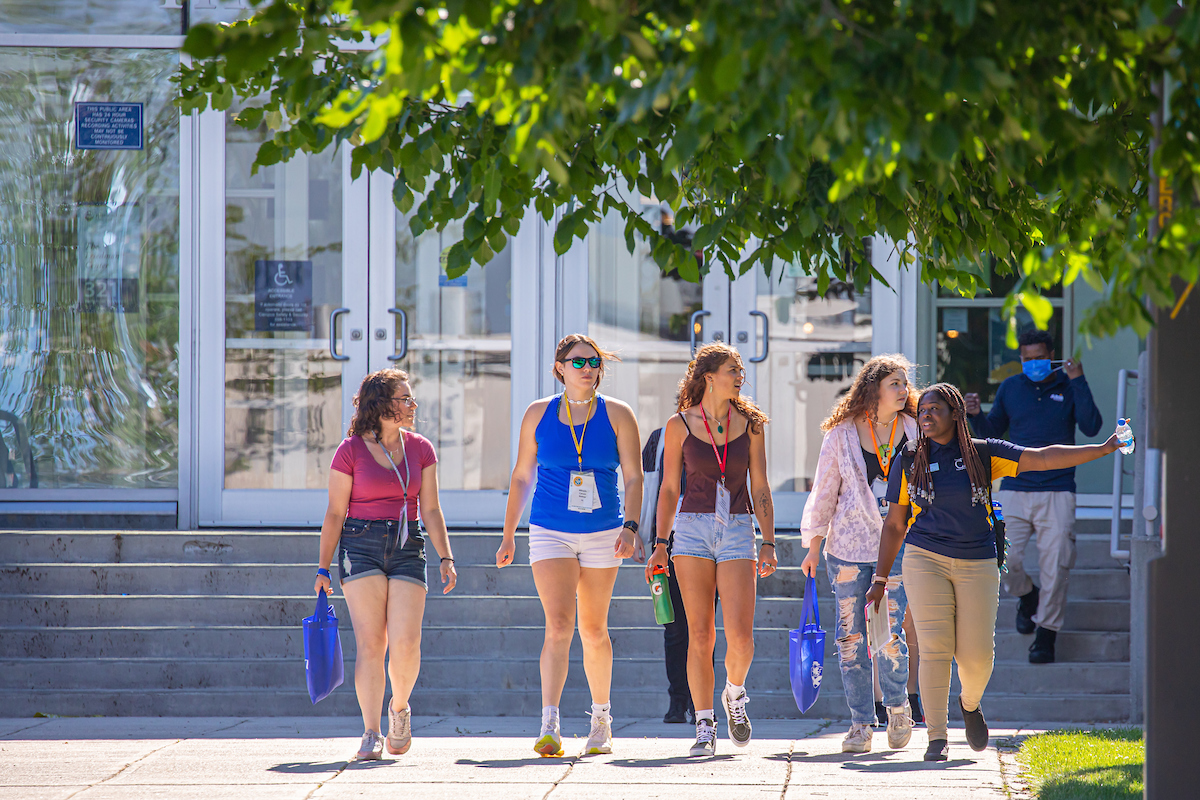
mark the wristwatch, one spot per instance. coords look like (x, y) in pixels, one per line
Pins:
(633, 526)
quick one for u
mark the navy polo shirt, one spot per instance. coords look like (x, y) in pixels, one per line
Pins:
(950, 525)
(1038, 414)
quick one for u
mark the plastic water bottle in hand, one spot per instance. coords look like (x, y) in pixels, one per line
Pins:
(1125, 436)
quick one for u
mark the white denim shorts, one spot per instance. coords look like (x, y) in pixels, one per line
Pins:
(699, 535)
(592, 550)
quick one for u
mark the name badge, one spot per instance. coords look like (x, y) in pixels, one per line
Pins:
(1057, 397)
(934, 467)
(581, 492)
(879, 489)
(722, 505)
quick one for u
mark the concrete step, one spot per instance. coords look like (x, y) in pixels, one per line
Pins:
(630, 703)
(491, 674)
(229, 547)
(221, 641)
(106, 610)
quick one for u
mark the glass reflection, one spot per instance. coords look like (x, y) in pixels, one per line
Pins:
(142, 17)
(89, 275)
(972, 349)
(283, 277)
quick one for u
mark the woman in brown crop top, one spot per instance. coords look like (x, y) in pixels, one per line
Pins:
(718, 437)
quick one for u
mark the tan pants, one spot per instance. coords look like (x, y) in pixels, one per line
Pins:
(1051, 516)
(953, 603)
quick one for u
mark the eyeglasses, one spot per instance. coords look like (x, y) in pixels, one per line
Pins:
(407, 400)
(578, 363)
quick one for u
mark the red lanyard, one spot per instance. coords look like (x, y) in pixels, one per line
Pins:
(721, 462)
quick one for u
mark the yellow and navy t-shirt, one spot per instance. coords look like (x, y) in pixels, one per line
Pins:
(950, 525)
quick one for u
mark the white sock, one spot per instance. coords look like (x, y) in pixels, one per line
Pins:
(706, 713)
(734, 690)
(549, 713)
(601, 710)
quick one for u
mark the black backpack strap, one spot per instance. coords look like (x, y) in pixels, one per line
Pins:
(650, 451)
(984, 451)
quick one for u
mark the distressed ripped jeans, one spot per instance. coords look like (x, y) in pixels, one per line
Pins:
(850, 581)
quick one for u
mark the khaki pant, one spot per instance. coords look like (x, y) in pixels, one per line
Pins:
(953, 603)
(1051, 515)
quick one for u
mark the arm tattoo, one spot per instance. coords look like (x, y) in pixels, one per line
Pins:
(764, 501)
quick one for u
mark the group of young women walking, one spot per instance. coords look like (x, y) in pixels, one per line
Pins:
(896, 466)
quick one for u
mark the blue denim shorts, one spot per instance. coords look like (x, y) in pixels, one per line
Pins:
(372, 547)
(699, 535)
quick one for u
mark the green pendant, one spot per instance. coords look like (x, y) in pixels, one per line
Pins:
(719, 428)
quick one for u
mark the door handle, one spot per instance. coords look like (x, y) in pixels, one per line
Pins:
(693, 328)
(403, 335)
(337, 312)
(766, 340)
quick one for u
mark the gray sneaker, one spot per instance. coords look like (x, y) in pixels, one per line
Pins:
(706, 738)
(399, 736)
(899, 726)
(858, 740)
(371, 748)
(735, 712)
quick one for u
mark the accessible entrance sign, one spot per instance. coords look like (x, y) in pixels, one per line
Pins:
(283, 295)
(108, 126)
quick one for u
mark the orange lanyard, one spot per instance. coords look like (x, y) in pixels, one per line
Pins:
(885, 463)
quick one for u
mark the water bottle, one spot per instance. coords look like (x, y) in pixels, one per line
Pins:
(1125, 436)
(664, 612)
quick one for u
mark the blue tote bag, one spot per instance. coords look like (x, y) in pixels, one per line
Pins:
(322, 651)
(806, 651)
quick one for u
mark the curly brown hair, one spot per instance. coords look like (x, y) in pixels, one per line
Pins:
(570, 340)
(374, 401)
(709, 359)
(863, 396)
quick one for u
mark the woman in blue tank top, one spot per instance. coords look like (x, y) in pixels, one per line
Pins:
(572, 444)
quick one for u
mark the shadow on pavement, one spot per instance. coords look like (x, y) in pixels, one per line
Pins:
(911, 766)
(651, 763)
(306, 768)
(514, 763)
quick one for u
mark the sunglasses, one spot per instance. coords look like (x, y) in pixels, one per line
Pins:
(407, 400)
(579, 363)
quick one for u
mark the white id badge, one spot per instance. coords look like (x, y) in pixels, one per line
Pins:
(879, 488)
(581, 492)
(722, 505)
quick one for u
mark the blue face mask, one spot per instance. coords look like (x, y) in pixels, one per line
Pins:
(1037, 370)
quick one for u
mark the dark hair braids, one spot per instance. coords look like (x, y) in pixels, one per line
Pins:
(921, 481)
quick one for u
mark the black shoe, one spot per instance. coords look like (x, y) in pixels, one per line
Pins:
(1042, 649)
(914, 702)
(1026, 607)
(977, 729)
(676, 712)
(936, 750)
(880, 714)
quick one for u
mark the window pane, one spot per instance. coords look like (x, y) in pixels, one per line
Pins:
(141, 17)
(89, 275)
(971, 349)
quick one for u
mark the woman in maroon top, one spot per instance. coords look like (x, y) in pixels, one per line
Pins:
(381, 476)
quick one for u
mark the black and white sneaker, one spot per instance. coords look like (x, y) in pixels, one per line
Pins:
(706, 738)
(735, 712)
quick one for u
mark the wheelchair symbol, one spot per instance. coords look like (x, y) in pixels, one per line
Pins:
(281, 276)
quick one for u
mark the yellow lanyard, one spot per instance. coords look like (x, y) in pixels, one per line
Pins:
(579, 440)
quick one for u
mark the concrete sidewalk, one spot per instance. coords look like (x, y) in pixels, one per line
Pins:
(475, 758)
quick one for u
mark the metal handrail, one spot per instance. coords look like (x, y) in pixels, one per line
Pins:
(766, 340)
(692, 328)
(403, 335)
(333, 315)
(1114, 545)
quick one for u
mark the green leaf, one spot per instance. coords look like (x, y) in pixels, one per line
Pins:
(943, 141)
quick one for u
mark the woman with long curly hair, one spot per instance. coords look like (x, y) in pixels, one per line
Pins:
(572, 444)
(718, 437)
(939, 508)
(844, 512)
(382, 477)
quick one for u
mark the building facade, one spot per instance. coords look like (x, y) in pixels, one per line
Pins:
(182, 338)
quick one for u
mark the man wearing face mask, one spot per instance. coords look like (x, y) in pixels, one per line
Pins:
(1039, 407)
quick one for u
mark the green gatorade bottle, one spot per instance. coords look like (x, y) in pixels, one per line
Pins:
(664, 613)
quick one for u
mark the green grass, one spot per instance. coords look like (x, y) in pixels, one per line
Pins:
(1085, 765)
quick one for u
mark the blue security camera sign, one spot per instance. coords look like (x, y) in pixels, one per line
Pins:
(108, 126)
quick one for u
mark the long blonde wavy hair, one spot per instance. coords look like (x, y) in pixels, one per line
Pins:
(709, 359)
(863, 397)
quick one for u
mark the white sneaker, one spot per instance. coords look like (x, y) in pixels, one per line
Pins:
(735, 712)
(371, 747)
(706, 738)
(858, 740)
(600, 740)
(549, 743)
(399, 735)
(900, 726)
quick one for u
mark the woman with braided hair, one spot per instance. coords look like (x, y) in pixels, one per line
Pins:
(951, 567)
(719, 438)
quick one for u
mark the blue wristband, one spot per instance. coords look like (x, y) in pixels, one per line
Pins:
(325, 572)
